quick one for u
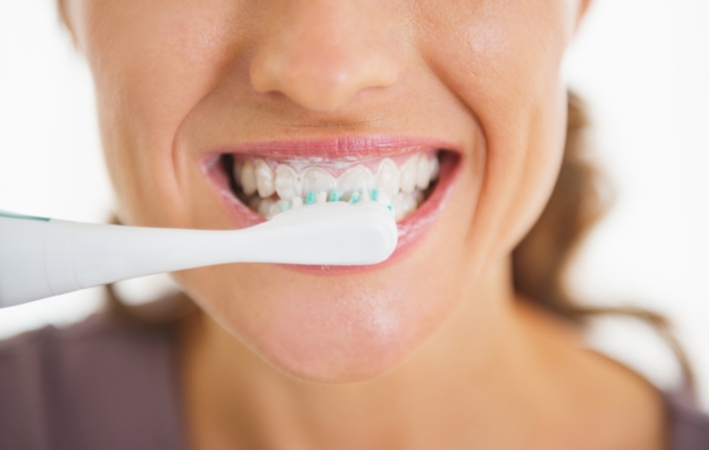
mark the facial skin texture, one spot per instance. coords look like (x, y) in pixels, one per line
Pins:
(178, 79)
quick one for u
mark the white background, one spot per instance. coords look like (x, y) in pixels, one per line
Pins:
(641, 64)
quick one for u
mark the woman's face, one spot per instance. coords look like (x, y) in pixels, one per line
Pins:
(300, 97)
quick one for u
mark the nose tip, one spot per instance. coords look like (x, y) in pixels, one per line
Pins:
(324, 86)
(323, 66)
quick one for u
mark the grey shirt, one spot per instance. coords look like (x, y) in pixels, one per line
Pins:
(104, 384)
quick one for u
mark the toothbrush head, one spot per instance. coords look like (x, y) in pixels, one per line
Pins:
(335, 233)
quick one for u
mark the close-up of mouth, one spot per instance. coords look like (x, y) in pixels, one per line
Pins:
(262, 181)
(269, 186)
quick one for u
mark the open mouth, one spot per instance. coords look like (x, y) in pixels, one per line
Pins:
(270, 186)
(414, 177)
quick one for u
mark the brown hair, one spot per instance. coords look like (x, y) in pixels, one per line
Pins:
(540, 262)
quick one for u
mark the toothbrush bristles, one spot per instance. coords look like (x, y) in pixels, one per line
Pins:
(355, 197)
(374, 195)
(336, 195)
(310, 198)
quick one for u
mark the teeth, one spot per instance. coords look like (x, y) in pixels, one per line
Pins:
(408, 175)
(317, 179)
(384, 199)
(264, 206)
(433, 168)
(355, 179)
(405, 204)
(269, 207)
(264, 179)
(400, 189)
(254, 203)
(423, 172)
(387, 179)
(237, 172)
(286, 183)
(248, 178)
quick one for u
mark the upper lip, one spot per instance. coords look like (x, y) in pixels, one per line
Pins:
(337, 148)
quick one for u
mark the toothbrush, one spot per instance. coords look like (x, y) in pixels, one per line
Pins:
(41, 257)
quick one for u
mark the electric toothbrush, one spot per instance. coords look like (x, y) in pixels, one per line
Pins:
(41, 257)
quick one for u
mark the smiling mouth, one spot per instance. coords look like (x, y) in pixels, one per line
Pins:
(270, 186)
(256, 181)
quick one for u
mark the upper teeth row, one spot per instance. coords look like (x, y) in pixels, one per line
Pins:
(258, 177)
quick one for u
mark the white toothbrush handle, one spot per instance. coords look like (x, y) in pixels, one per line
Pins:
(40, 259)
(22, 268)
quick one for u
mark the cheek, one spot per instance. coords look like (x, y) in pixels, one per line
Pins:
(483, 58)
(152, 63)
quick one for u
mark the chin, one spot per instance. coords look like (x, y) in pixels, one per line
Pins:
(347, 337)
(331, 329)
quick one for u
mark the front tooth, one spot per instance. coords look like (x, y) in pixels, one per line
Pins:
(248, 178)
(264, 179)
(387, 179)
(408, 175)
(317, 179)
(423, 172)
(355, 179)
(286, 182)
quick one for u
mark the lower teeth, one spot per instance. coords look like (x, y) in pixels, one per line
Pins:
(402, 204)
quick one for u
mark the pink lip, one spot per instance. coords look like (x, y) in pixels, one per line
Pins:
(343, 148)
(411, 230)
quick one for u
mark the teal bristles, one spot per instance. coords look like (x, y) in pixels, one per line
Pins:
(285, 206)
(310, 198)
(355, 197)
(374, 195)
(336, 195)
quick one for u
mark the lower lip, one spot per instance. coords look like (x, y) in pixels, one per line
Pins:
(411, 230)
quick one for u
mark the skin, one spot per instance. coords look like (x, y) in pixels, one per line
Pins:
(430, 351)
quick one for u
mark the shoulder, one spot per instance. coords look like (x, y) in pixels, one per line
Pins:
(96, 381)
(687, 425)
